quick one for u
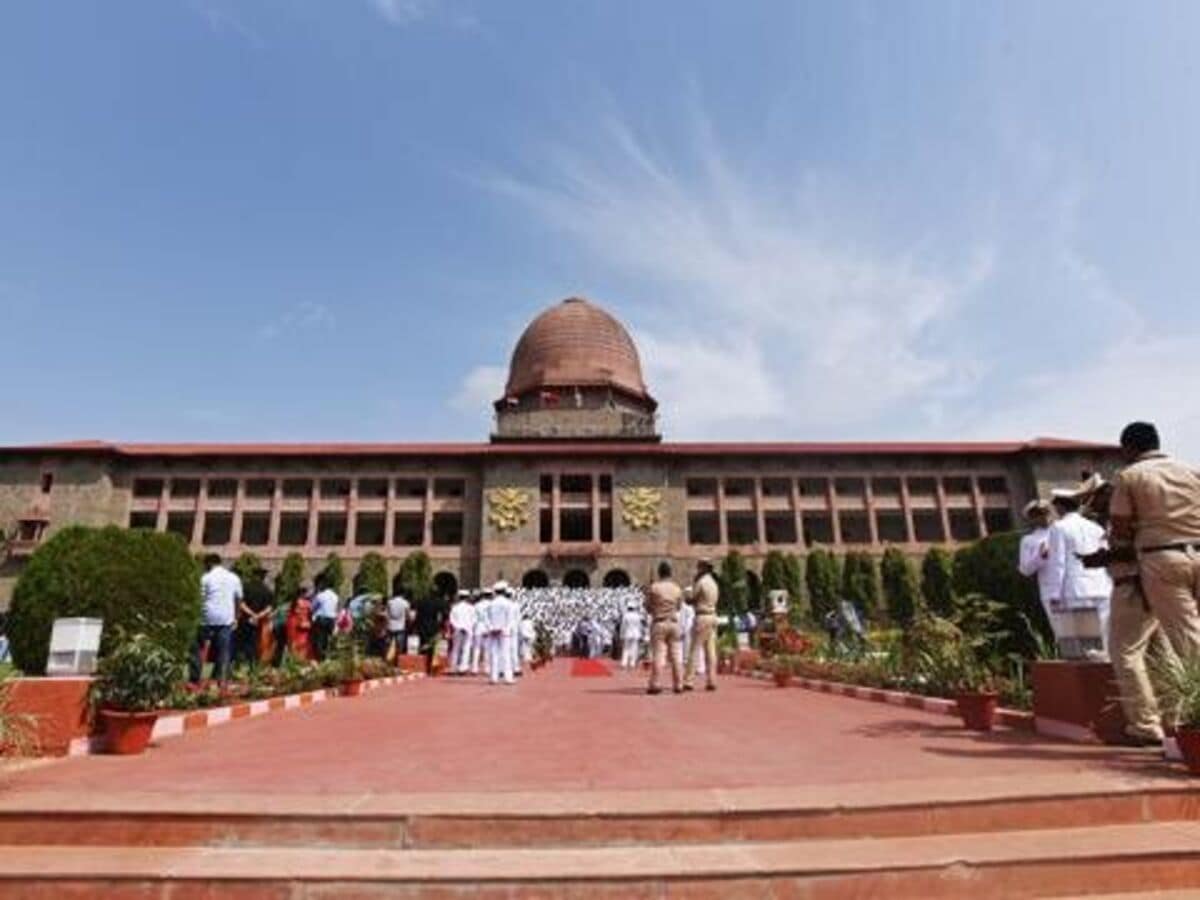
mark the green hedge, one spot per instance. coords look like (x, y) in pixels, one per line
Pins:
(989, 567)
(136, 581)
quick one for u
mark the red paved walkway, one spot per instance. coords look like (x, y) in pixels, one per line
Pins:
(552, 732)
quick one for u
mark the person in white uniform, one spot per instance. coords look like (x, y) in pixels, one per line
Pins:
(462, 621)
(1076, 588)
(502, 615)
(687, 622)
(631, 636)
(527, 637)
(483, 628)
(1034, 559)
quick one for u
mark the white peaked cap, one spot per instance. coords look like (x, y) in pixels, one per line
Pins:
(464, 593)
(500, 587)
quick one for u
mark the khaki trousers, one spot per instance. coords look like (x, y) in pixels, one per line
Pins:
(1131, 630)
(704, 640)
(1171, 582)
(664, 642)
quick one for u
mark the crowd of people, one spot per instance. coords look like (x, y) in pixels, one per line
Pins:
(1125, 555)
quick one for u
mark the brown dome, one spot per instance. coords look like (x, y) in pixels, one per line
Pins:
(575, 343)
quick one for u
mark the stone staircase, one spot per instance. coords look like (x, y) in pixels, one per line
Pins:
(1100, 839)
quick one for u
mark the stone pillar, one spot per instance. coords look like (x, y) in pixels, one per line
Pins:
(555, 512)
(427, 536)
(943, 509)
(352, 513)
(198, 516)
(760, 518)
(164, 500)
(832, 503)
(869, 502)
(977, 500)
(276, 506)
(722, 525)
(235, 524)
(798, 512)
(314, 504)
(906, 506)
(596, 507)
(389, 514)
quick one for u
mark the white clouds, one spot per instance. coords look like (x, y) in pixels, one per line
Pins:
(403, 12)
(302, 317)
(482, 387)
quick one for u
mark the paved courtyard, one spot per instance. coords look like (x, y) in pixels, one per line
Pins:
(553, 732)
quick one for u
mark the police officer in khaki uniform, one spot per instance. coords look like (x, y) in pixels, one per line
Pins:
(1155, 509)
(705, 594)
(663, 599)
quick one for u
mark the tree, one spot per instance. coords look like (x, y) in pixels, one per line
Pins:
(795, 586)
(415, 578)
(735, 586)
(781, 572)
(333, 574)
(901, 592)
(289, 578)
(822, 577)
(372, 576)
(138, 581)
(860, 584)
(937, 583)
(247, 565)
(989, 567)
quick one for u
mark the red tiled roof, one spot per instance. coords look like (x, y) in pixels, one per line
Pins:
(575, 448)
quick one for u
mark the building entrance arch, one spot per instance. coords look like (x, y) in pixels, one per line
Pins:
(617, 578)
(445, 584)
(535, 578)
(576, 578)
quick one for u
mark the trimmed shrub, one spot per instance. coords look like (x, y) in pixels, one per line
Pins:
(901, 593)
(372, 576)
(333, 575)
(989, 567)
(289, 578)
(735, 585)
(246, 565)
(137, 581)
(823, 579)
(937, 582)
(781, 572)
(860, 584)
(415, 578)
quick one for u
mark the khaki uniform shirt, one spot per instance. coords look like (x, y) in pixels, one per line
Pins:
(1161, 498)
(705, 594)
(663, 600)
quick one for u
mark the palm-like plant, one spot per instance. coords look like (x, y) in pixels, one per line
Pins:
(18, 731)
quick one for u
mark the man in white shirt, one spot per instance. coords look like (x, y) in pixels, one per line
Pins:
(631, 635)
(687, 622)
(462, 621)
(220, 592)
(502, 618)
(1034, 558)
(482, 636)
(1076, 589)
(325, 612)
(398, 612)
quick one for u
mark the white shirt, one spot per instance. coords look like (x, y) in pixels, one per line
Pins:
(503, 615)
(483, 616)
(1031, 562)
(528, 630)
(325, 604)
(462, 616)
(397, 612)
(221, 590)
(687, 618)
(1077, 586)
(631, 626)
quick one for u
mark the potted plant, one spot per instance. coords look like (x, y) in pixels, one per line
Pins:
(782, 670)
(543, 645)
(975, 693)
(1177, 683)
(348, 664)
(132, 683)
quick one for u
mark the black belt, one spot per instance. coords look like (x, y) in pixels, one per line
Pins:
(1162, 548)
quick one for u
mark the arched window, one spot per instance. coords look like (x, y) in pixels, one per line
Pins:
(576, 578)
(617, 578)
(535, 578)
(445, 584)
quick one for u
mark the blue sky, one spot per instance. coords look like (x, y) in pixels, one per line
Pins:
(236, 220)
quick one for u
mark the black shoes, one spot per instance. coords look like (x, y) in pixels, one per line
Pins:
(710, 687)
(654, 690)
(688, 687)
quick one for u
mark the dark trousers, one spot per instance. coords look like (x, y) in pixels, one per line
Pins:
(245, 644)
(322, 631)
(217, 639)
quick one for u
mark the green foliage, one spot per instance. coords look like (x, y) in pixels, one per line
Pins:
(333, 574)
(735, 585)
(989, 567)
(823, 578)
(139, 675)
(18, 731)
(372, 576)
(247, 565)
(1177, 684)
(937, 581)
(543, 643)
(137, 581)
(781, 572)
(289, 578)
(415, 577)
(901, 593)
(860, 584)
(347, 656)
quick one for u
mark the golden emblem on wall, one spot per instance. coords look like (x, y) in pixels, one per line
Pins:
(640, 507)
(508, 508)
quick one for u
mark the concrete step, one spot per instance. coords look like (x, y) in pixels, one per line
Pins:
(1054, 862)
(586, 820)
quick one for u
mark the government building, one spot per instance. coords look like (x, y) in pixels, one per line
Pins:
(574, 487)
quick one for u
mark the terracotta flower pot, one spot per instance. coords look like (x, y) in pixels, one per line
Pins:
(127, 733)
(1189, 745)
(782, 679)
(352, 688)
(978, 710)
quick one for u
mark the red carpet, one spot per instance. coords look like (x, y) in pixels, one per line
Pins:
(590, 668)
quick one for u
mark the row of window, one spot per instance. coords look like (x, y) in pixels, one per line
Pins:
(332, 529)
(300, 488)
(891, 526)
(884, 486)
